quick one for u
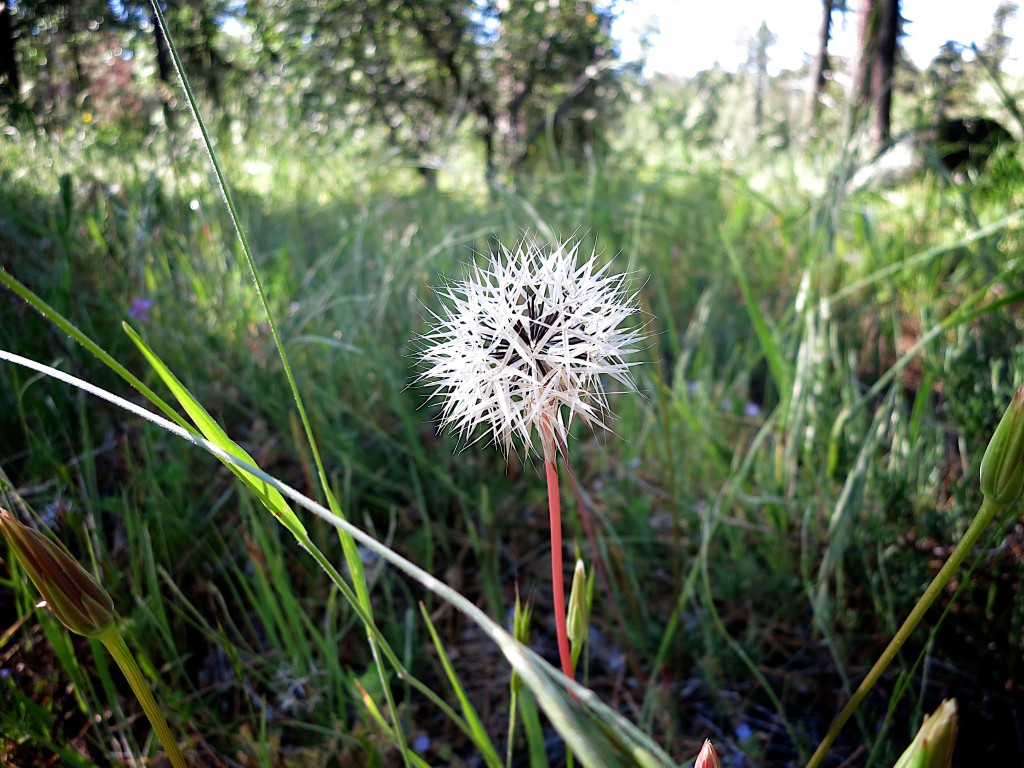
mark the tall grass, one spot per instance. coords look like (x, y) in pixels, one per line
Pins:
(805, 451)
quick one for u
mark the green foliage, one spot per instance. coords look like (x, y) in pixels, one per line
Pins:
(419, 78)
(510, 71)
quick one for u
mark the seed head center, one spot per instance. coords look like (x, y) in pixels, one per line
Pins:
(536, 328)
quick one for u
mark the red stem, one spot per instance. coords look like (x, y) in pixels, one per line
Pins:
(557, 585)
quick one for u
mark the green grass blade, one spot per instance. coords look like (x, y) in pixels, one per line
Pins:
(55, 317)
(378, 717)
(772, 355)
(212, 431)
(476, 730)
(534, 732)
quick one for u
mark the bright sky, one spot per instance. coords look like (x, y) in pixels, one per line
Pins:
(693, 35)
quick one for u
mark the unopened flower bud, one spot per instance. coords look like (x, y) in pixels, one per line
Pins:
(1002, 468)
(707, 757)
(521, 632)
(579, 606)
(74, 596)
(933, 745)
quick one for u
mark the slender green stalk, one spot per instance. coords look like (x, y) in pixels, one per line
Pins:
(116, 647)
(989, 510)
(557, 584)
(510, 747)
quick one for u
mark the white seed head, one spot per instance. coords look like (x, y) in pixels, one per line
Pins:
(522, 343)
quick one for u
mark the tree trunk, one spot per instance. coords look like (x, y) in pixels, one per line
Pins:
(878, 33)
(428, 174)
(208, 31)
(759, 104)
(490, 164)
(10, 78)
(883, 70)
(822, 66)
(507, 128)
(867, 27)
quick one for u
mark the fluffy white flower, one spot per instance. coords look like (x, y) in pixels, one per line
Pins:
(521, 345)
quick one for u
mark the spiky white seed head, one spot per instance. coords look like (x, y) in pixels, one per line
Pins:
(522, 343)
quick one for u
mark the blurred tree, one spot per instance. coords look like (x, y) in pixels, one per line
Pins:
(42, 51)
(164, 67)
(946, 80)
(878, 39)
(997, 44)
(513, 69)
(992, 57)
(195, 29)
(757, 64)
(822, 65)
(47, 46)
(194, 24)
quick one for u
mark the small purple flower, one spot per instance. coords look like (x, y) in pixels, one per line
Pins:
(421, 743)
(140, 309)
(753, 410)
(726, 404)
(744, 732)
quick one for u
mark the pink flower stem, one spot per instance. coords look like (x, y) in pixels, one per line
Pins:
(557, 585)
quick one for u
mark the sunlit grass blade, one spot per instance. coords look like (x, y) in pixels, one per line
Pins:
(213, 432)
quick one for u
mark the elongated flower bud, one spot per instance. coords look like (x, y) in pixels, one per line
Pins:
(579, 608)
(1002, 468)
(74, 596)
(707, 758)
(933, 745)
